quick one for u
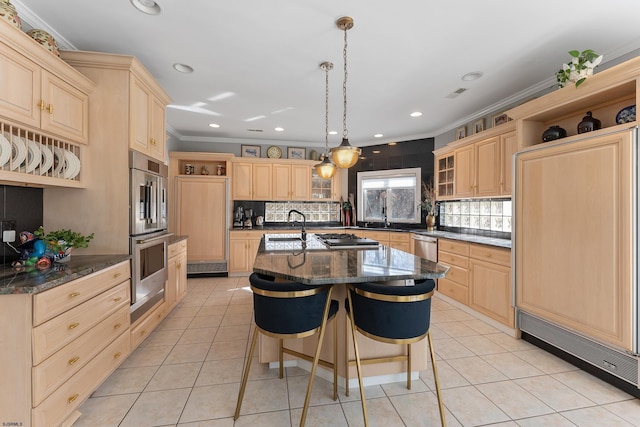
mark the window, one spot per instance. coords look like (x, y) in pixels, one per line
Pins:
(389, 196)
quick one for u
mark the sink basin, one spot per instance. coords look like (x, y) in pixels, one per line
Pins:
(285, 239)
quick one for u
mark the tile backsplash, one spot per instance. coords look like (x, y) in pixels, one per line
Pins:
(489, 215)
(314, 211)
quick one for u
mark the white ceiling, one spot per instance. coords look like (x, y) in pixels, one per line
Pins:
(403, 56)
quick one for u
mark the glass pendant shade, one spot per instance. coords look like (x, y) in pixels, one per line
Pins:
(345, 155)
(326, 169)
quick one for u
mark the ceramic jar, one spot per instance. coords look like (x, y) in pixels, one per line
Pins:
(8, 13)
(45, 39)
(589, 123)
(553, 133)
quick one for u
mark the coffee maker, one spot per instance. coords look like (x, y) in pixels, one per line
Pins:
(248, 218)
(238, 217)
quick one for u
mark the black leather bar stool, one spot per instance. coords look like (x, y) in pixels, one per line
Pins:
(286, 310)
(395, 315)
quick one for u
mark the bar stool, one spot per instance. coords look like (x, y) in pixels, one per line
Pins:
(395, 315)
(287, 310)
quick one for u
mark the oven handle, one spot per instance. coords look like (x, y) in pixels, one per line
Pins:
(153, 239)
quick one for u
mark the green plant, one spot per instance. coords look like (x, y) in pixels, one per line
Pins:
(579, 68)
(60, 240)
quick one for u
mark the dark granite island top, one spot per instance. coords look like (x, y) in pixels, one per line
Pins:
(318, 265)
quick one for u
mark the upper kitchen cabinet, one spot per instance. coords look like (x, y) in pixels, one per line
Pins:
(251, 180)
(147, 119)
(40, 91)
(291, 182)
(146, 99)
(444, 174)
(325, 189)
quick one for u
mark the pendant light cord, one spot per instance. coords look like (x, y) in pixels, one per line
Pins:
(326, 109)
(344, 85)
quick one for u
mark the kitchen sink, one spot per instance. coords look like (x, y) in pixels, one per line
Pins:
(285, 239)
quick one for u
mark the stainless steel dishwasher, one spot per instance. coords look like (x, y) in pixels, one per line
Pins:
(426, 247)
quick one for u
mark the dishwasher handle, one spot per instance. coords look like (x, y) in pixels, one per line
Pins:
(427, 239)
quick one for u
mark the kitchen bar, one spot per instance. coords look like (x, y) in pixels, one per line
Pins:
(321, 266)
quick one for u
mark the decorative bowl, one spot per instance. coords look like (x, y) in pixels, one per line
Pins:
(8, 13)
(45, 39)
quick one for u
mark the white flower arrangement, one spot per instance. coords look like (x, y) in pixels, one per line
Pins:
(579, 68)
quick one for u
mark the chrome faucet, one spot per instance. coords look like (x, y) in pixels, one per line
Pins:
(303, 234)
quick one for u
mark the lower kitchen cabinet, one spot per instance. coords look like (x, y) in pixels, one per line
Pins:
(147, 323)
(61, 345)
(243, 247)
(176, 286)
(401, 241)
(479, 277)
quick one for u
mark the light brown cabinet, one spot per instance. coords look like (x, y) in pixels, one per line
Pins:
(477, 171)
(508, 147)
(444, 176)
(325, 189)
(455, 255)
(42, 92)
(490, 283)
(63, 343)
(243, 247)
(176, 286)
(251, 181)
(147, 120)
(290, 182)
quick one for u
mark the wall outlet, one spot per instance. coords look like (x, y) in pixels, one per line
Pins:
(8, 228)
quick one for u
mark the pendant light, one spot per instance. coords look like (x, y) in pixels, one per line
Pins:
(345, 155)
(326, 169)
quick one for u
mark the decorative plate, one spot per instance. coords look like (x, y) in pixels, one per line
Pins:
(18, 151)
(274, 152)
(47, 159)
(626, 115)
(5, 150)
(33, 155)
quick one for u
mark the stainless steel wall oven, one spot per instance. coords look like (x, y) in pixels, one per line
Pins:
(147, 232)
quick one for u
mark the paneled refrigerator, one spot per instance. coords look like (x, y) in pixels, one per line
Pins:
(576, 249)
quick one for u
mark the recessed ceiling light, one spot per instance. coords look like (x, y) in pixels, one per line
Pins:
(214, 125)
(376, 151)
(149, 7)
(333, 132)
(392, 143)
(475, 75)
(183, 68)
(279, 129)
(416, 114)
(378, 135)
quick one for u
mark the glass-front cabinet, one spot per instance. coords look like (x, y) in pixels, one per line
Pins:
(325, 189)
(444, 176)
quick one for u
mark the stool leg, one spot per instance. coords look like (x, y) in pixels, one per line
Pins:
(245, 375)
(316, 358)
(335, 357)
(408, 366)
(357, 353)
(443, 421)
(347, 326)
(281, 356)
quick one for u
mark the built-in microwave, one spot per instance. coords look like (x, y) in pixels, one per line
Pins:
(148, 194)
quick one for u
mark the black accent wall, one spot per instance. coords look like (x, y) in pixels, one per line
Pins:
(24, 206)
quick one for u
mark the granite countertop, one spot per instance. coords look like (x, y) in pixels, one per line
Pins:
(471, 238)
(30, 280)
(175, 239)
(317, 265)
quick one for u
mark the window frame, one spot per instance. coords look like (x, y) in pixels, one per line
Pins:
(385, 175)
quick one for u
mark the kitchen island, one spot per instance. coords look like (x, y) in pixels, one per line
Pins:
(287, 258)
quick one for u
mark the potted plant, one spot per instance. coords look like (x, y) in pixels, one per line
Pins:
(60, 242)
(428, 204)
(579, 68)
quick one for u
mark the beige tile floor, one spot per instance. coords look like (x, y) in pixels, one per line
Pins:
(187, 373)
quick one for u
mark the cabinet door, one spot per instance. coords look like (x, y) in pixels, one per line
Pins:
(200, 208)
(238, 258)
(253, 245)
(300, 182)
(281, 189)
(19, 87)
(464, 171)
(171, 285)
(181, 276)
(508, 147)
(261, 181)
(140, 99)
(444, 176)
(241, 180)
(336, 186)
(490, 291)
(157, 130)
(487, 167)
(66, 109)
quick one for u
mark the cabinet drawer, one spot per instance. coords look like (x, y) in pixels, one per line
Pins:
(380, 236)
(62, 402)
(400, 237)
(458, 275)
(489, 254)
(256, 234)
(48, 304)
(51, 336)
(143, 328)
(454, 247)
(453, 290)
(175, 248)
(453, 259)
(55, 370)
